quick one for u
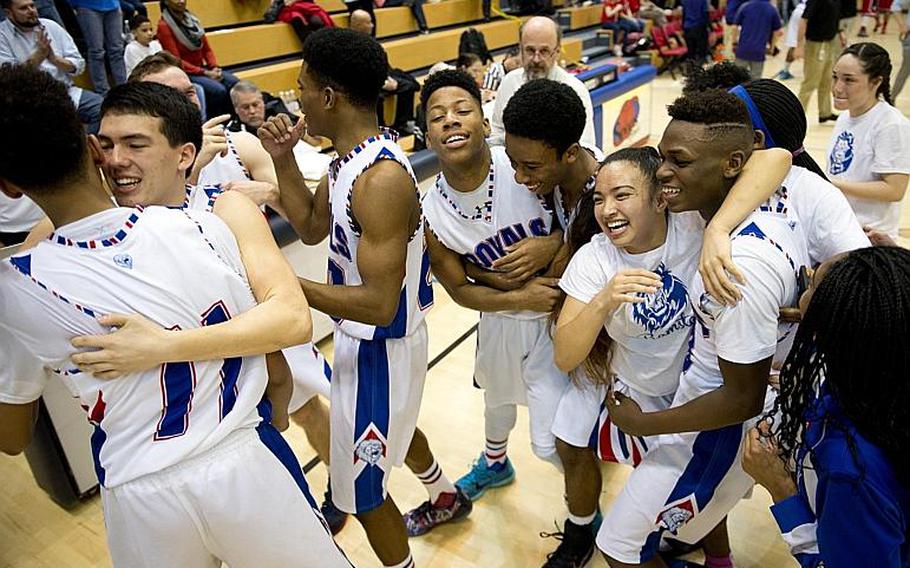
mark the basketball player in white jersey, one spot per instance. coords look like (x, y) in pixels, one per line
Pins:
(474, 212)
(688, 484)
(543, 125)
(309, 369)
(192, 472)
(233, 160)
(379, 288)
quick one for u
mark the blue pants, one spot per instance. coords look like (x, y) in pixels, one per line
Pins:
(89, 110)
(217, 93)
(131, 7)
(622, 28)
(103, 33)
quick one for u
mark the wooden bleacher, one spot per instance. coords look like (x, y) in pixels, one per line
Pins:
(408, 53)
(256, 42)
(216, 14)
(239, 38)
(579, 17)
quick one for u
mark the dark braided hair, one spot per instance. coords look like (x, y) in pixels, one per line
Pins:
(853, 338)
(876, 64)
(646, 159)
(785, 119)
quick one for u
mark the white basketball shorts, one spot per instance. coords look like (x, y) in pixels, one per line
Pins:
(684, 487)
(311, 372)
(244, 502)
(514, 365)
(583, 420)
(376, 390)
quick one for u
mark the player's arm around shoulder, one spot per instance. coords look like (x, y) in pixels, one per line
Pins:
(283, 314)
(539, 294)
(385, 205)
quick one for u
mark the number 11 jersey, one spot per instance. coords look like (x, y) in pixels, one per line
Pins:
(182, 270)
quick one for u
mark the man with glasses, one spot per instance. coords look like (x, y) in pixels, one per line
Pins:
(540, 40)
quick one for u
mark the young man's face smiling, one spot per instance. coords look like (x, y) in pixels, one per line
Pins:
(140, 164)
(537, 164)
(456, 128)
(694, 168)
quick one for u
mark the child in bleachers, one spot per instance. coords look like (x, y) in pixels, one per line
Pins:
(143, 43)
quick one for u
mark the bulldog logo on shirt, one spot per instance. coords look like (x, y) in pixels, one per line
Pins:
(663, 312)
(842, 154)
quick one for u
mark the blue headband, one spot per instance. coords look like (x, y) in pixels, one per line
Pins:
(757, 122)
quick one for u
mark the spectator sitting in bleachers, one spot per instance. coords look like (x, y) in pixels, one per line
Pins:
(25, 38)
(399, 82)
(305, 16)
(498, 69)
(253, 107)
(143, 44)
(234, 160)
(46, 9)
(101, 23)
(651, 11)
(540, 40)
(181, 33)
(617, 16)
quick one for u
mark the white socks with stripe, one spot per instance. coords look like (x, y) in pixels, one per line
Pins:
(435, 482)
(498, 423)
(495, 452)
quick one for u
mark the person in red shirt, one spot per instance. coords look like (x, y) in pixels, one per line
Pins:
(618, 16)
(181, 33)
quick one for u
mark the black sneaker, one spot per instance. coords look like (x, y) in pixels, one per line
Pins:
(574, 550)
(334, 517)
(824, 119)
(447, 508)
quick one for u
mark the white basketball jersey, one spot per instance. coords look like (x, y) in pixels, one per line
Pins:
(201, 197)
(223, 169)
(565, 216)
(650, 338)
(769, 247)
(344, 237)
(509, 212)
(182, 270)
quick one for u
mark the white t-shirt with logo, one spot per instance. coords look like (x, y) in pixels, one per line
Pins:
(769, 248)
(865, 148)
(828, 222)
(650, 338)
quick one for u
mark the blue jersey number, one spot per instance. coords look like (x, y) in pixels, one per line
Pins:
(178, 382)
(425, 287)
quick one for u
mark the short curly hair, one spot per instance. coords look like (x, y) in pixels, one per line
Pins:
(449, 78)
(725, 116)
(723, 75)
(348, 61)
(42, 141)
(548, 111)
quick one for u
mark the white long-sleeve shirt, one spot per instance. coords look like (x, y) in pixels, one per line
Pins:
(16, 46)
